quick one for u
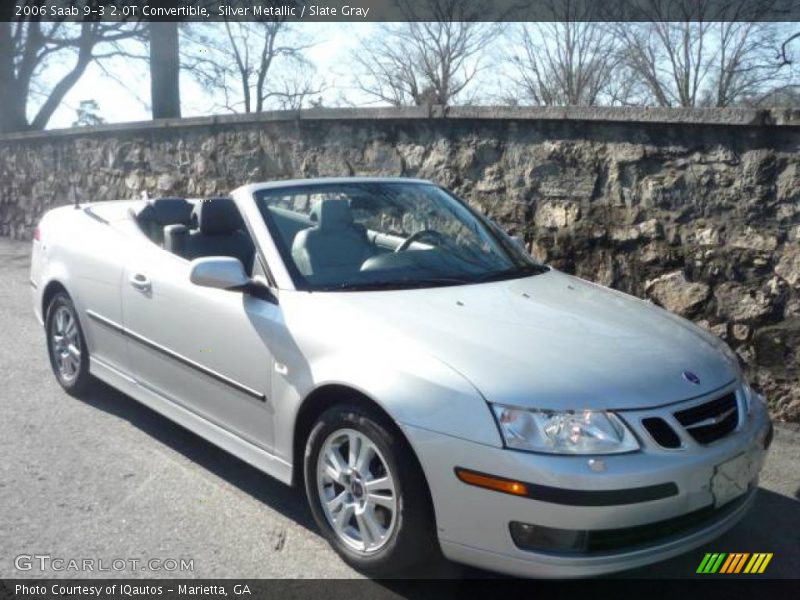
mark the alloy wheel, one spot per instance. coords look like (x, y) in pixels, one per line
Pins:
(65, 343)
(357, 491)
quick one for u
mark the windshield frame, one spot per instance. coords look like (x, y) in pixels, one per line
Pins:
(524, 264)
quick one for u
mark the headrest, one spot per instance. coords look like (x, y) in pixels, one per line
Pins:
(166, 211)
(332, 214)
(217, 216)
(171, 211)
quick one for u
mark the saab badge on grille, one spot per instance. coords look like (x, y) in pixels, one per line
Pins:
(691, 377)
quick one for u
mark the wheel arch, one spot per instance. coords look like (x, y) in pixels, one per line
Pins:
(317, 402)
(409, 389)
(420, 539)
(53, 287)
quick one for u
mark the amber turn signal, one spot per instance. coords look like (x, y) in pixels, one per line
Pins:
(490, 482)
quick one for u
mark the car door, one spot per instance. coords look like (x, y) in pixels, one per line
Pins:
(96, 267)
(205, 349)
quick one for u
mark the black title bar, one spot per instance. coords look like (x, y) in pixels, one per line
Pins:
(478, 586)
(402, 10)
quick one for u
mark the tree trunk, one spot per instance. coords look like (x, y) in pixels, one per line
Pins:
(165, 96)
(12, 98)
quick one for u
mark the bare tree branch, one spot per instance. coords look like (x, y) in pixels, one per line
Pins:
(699, 52)
(783, 55)
(253, 66)
(418, 63)
(571, 60)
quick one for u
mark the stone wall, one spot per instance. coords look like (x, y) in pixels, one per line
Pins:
(698, 210)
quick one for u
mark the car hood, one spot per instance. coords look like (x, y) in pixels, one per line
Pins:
(550, 341)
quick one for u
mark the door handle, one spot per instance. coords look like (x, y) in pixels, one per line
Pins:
(141, 282)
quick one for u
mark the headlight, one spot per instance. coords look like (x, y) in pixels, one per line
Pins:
(567, 432)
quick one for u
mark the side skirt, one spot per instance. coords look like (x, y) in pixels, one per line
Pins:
(253, 455)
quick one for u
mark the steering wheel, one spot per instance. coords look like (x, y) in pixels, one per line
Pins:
(419, 235)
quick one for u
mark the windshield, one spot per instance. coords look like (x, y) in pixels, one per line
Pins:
(385, 235)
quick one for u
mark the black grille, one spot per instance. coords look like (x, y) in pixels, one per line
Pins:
(721, 415)
(661, 432)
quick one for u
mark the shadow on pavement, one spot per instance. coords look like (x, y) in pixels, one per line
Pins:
(288, 501)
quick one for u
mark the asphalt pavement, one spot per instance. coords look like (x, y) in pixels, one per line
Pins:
(106, 479)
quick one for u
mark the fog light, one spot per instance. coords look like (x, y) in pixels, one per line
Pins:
(547, 539)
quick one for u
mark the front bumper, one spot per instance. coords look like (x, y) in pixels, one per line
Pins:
(473, 522)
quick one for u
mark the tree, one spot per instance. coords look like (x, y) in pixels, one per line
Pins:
(253, 65)
(165, 96)
(743, 66)
(569, 62)
(688, 54)
(87, 114)
(425, 62)
(28, 47)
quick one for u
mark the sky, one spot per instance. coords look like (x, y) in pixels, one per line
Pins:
(121, 87)
(130, 102)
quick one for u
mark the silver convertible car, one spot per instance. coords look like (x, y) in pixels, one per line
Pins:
(430, 385)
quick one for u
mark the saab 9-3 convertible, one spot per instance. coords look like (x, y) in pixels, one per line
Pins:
(432, 386)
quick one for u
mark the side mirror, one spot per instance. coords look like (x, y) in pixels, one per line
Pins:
(221, 272)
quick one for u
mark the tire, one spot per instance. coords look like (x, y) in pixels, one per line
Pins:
(66, 346)
(405, 535)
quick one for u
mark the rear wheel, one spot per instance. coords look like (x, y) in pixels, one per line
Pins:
(367, 492)
(69, 357)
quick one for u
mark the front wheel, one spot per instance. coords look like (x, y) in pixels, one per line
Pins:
(367, 492)
(66, 346)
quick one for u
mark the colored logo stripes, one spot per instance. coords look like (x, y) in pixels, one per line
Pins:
(735, 562)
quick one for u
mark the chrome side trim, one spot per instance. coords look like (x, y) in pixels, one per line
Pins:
(175, 356)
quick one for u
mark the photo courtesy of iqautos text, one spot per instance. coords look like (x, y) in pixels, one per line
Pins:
(399, 298)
